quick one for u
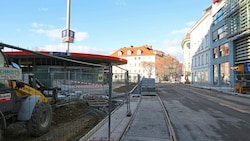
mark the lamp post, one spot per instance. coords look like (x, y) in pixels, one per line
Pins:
(67, 34)
(68, 22)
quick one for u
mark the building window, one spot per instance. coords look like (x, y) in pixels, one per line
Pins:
(206, 41)
(206, 76)
(219, 16)
(224, 50)
(215, 52)
(199, 61)
(120, 53)
(206, 58)
(195, 62)
(215, 35)
(219, 33)
(202, 60)
(225, 73)
(215, 74)
(129, 52)
(222, 32)
(198, 76)
(139, 52)
(188, 45)
(202, 76)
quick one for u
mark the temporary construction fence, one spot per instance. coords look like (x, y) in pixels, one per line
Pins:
(68, 78)
(79, 83)
(91, 87)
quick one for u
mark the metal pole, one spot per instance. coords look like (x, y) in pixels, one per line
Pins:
(110, 98)
(127, 94)
(68, 23)
(139, 83)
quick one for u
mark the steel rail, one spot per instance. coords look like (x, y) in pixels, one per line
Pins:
(170, 127)
(168, 121)
(130, 122)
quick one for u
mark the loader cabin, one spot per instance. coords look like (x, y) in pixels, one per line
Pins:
(48, 68)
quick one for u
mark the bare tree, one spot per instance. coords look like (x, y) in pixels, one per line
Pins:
(148, 67)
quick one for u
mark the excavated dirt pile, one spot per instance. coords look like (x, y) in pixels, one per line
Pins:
(70, 122)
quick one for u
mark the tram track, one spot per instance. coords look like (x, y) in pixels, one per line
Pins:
(165, 118)
(168, 121)
(130, 122)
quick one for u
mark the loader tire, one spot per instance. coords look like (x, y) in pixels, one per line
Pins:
(40, 120)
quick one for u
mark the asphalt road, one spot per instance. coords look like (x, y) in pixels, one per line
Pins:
(206, 115)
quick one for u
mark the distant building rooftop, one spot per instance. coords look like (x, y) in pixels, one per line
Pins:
(136, 51)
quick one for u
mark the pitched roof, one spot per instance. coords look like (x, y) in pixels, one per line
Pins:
(135, 51)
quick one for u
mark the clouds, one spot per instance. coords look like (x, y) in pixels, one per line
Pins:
(61, 47)
(81, 36)
(53, 40)
(39, 25)
(180, 31)
(173, 47)
(185, 29)
(54, 33)
(172, 44)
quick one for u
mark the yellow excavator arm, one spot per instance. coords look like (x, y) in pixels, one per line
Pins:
(22, 89)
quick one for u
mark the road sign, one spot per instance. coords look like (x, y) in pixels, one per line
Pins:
(68, 36)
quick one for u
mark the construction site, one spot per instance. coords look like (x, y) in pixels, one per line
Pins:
(57, 96)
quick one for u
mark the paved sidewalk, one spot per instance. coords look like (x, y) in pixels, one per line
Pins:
(225, 90)
(119, 122)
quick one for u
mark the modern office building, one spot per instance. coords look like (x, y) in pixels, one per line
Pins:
(231, 39)
(221, 52)
(219, 40)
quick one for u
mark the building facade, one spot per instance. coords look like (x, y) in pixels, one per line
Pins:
(231, 39)
(221, 53)
(141, 61)
(219, 41)
(200, 48)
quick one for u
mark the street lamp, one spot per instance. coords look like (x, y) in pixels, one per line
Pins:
(67, 34)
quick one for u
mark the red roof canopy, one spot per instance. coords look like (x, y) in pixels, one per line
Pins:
(89, 58)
